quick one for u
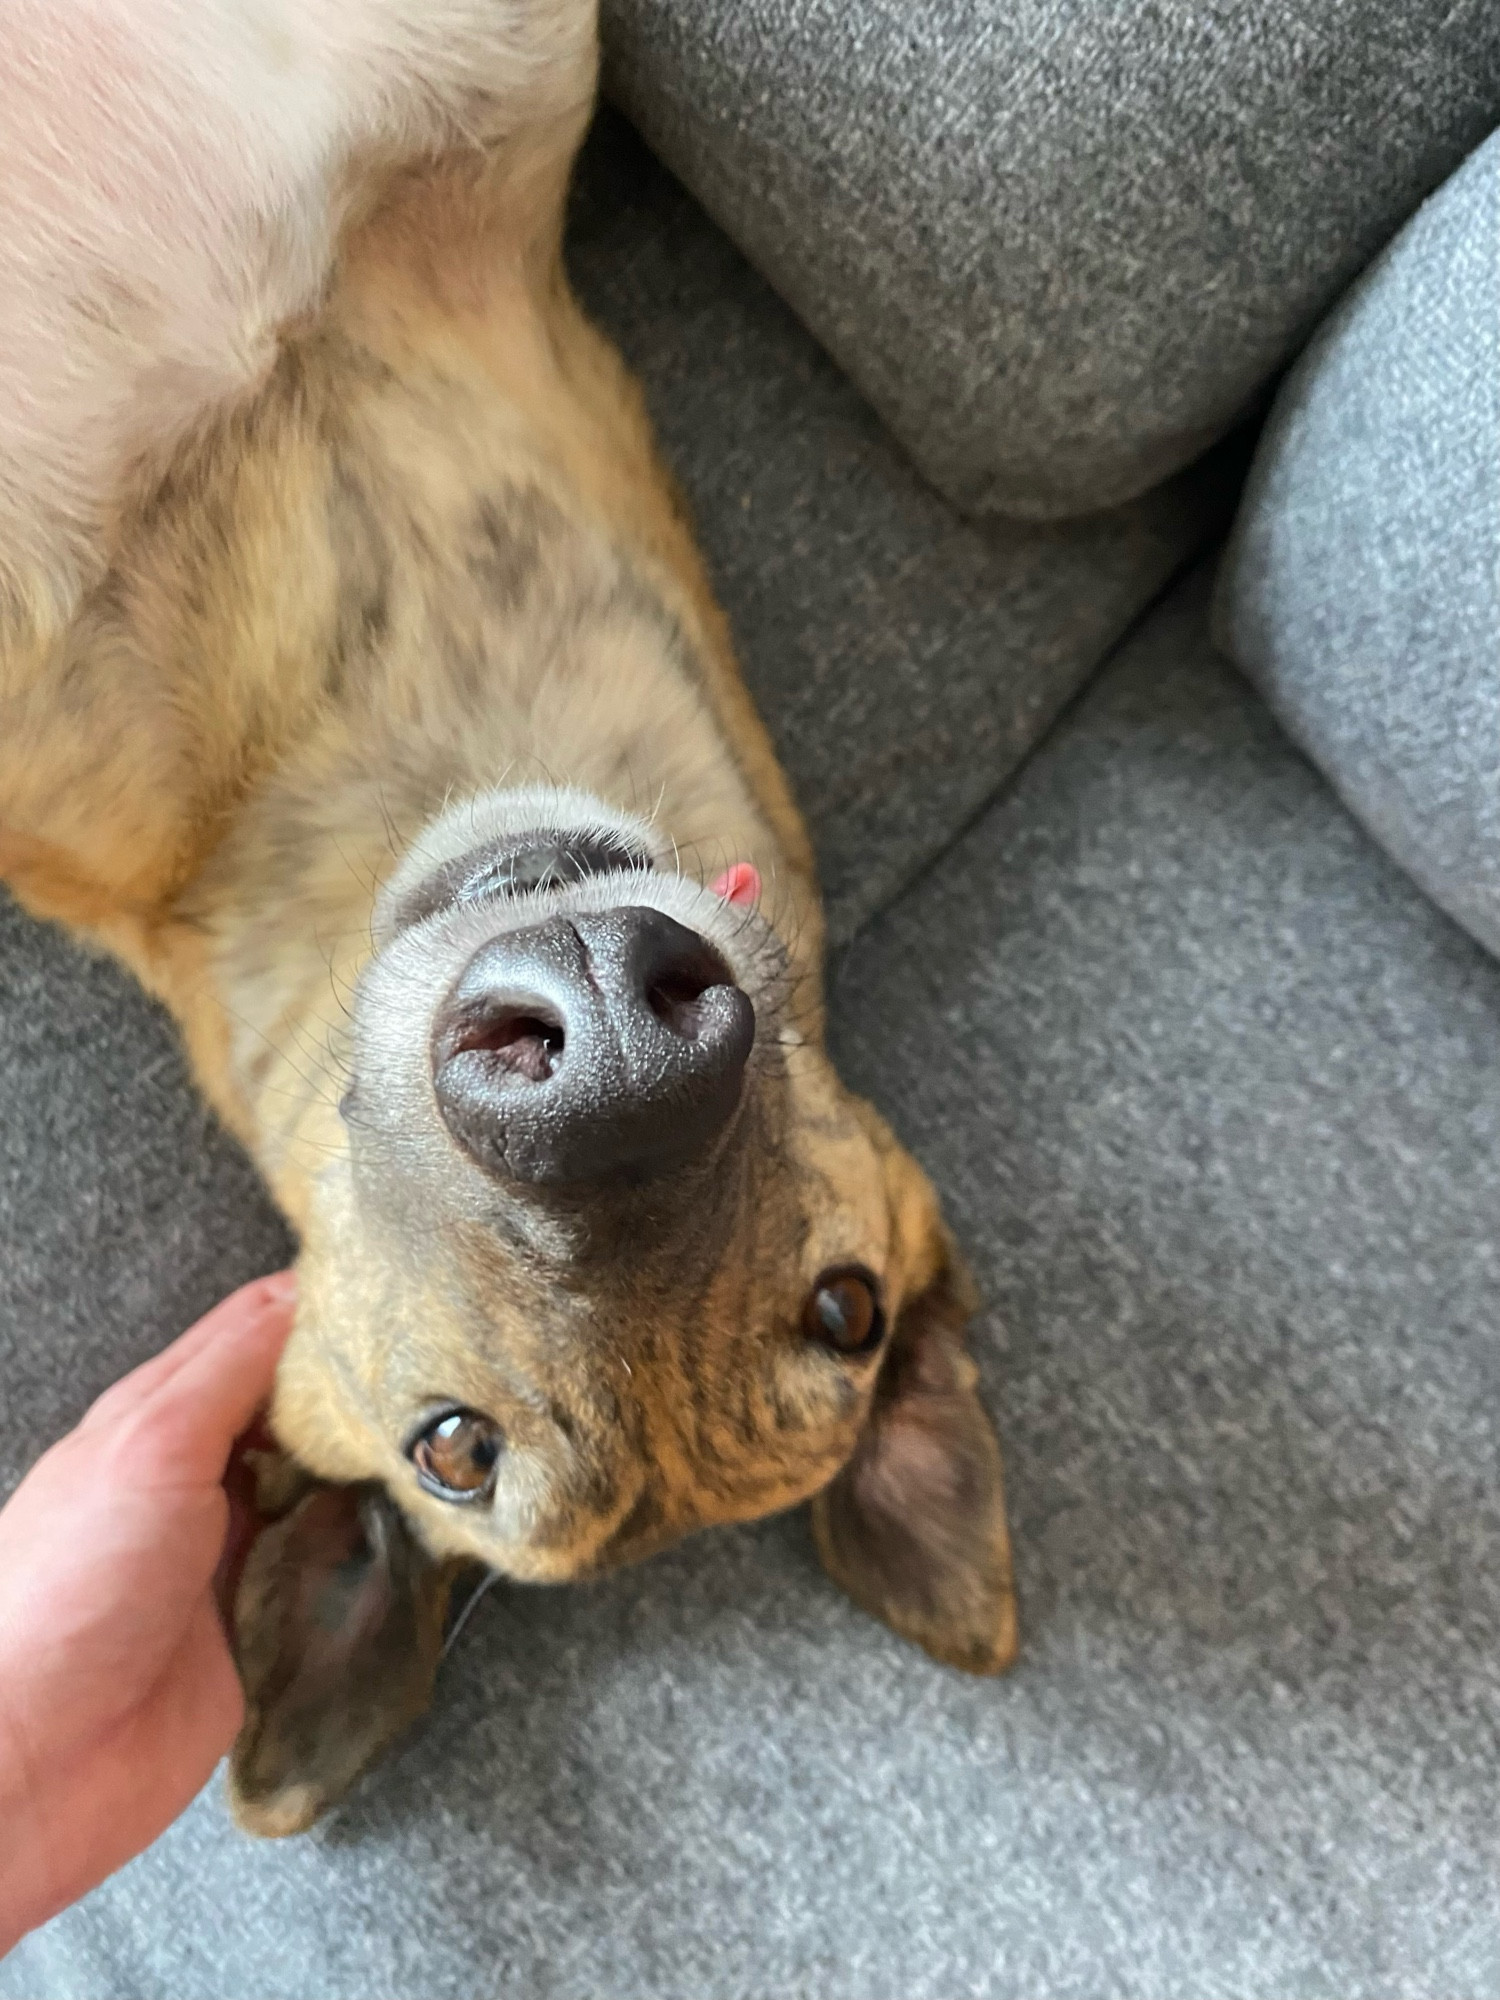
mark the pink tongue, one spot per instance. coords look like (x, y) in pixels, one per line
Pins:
(739, 885)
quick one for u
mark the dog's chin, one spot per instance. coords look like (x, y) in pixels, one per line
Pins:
(508, 859)
(506, 845)
(539, 861)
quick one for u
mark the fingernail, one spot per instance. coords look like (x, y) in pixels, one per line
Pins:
(279, 1287)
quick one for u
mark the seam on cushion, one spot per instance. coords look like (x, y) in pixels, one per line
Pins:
(929, 864)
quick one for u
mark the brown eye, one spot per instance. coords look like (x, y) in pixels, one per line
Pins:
(456, 1455)
(843, 1311)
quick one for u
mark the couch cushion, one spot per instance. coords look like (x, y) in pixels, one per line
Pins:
(905, 659)
(125, 1213)
(1218, 1114)
(1363, 590)
(1058, 245)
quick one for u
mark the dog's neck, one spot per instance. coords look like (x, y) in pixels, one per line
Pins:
(434, 555)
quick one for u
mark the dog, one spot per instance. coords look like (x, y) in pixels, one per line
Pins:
(364, 692)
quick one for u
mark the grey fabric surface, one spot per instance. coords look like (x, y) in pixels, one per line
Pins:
(124, 1211)
(1214, 1096)
(1058, 243)
(1363, 590)
(904, 659)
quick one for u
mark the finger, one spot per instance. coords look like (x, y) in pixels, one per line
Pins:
(260, 1296)
(183, 1430)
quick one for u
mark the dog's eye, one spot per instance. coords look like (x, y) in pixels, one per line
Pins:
(843, 1311)
(456, 1455)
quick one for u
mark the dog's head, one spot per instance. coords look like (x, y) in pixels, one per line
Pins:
(613, 1256)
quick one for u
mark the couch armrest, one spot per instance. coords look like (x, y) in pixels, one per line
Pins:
(1361, 592)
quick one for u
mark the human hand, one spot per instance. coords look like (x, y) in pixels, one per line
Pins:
(118, 1692)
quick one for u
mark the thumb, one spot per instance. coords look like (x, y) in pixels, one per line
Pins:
(178, 1417)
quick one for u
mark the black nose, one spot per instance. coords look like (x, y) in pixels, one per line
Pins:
(589, 1046)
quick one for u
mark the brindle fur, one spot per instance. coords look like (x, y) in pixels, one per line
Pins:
(435, 554)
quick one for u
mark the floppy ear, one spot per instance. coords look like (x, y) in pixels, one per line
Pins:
(338, 1632)
(914, 1526)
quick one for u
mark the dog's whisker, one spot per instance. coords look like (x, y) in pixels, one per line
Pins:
(471, 1602)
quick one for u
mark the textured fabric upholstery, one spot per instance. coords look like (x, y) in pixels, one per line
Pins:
(1060, 244)
(124, 1211)
(1363, 590)
(1214, 1096)
(905, 660)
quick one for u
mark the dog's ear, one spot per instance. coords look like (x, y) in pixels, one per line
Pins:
(914, 1526)
(338, 1631)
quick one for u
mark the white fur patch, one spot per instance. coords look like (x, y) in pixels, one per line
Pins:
(170, 179)
(493, 814)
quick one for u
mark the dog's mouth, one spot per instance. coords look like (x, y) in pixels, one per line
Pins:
(520, 864)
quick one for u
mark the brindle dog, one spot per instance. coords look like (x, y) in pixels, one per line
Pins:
(401, 750)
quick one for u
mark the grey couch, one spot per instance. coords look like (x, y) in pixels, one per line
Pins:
(1122, 837)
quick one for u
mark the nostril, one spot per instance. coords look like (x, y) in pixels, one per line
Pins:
(526, 1042)
(675, 993)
